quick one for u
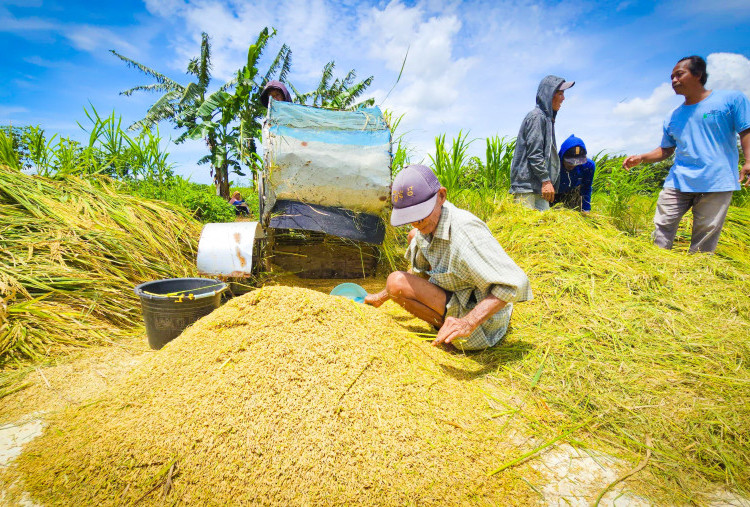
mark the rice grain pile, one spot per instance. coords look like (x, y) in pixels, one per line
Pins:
(282, 396)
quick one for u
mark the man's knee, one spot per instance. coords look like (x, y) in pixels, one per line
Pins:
(396, 283)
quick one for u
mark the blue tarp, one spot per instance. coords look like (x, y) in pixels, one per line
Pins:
(327, 158)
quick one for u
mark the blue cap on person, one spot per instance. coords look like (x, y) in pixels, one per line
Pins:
(413, 194)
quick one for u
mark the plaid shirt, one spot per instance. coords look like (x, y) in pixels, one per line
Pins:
(463, 257)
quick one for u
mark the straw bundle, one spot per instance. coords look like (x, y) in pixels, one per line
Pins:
(70, 253)
(283, 396)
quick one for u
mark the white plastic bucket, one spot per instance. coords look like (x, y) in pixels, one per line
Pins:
(227, 249)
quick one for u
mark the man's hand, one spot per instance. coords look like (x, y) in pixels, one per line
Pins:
(632, 161)
(745, 175)
(548, 191)
(377, 299)
(451, 329)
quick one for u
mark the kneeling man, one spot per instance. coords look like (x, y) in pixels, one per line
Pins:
(461, 280)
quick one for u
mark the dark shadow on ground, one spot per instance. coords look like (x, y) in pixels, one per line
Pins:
(490, 360)
(481, 362)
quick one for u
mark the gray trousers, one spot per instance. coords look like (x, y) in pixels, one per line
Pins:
(533, 201)
(709, 212)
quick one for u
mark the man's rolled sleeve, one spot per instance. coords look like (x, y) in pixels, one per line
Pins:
(667, 141)
(504, 293)
(741, 113)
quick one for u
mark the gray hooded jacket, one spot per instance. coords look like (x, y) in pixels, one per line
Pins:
(535, 159)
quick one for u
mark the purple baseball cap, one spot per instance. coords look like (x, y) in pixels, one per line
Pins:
(413, 194)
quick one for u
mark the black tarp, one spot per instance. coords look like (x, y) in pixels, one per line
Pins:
(339, 222)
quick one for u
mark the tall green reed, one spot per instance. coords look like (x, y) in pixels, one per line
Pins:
(449, 163)
(8, 152)
(109, 150)
(401, 153)
(498, 158)
(627, 196)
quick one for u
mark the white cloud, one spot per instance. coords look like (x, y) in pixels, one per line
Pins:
(433, 85)
(728, 71)
(164, 7)
(311, 28)
(658, 103)
(472, 66)
(7, 112)
(20, 26)
(95, 39)
(85, 37)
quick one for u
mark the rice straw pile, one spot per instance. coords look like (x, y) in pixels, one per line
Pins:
(71, 252)
(641, 347)
(282, 396)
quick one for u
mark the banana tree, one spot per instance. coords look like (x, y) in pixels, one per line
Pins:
(228, 120)
(231, 122)
(339, 93)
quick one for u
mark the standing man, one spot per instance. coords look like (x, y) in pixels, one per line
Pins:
(461, 280)
(577, 176)
(702, 133)
(535, 169)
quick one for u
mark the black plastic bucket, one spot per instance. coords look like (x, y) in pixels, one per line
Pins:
(169, 306)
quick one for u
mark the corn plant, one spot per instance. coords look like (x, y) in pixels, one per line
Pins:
(8, 153)
(40, 149)
(496, 169)
(449, 164)
(401, 153)
(627, 196)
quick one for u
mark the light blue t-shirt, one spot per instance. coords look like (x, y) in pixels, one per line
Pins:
(704, 136)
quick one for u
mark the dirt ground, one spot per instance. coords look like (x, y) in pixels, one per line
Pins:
(569, 476)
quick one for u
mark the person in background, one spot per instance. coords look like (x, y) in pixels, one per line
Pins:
(535, 169)
(275, 89)
(461, 280)
(702, 134)
(240, 206)
(577, 176)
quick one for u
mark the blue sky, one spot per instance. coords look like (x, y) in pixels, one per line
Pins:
(472, 66)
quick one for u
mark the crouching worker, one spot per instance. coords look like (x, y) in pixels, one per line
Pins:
(461, 280)
(240, 206)
(577, 177)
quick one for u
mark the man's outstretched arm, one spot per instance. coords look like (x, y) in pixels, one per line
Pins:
(454, 328)
(652, 156)
(745, 171)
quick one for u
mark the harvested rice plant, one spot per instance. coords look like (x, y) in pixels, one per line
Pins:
(70, 252)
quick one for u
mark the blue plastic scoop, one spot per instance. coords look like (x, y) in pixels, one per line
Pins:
(351, 291)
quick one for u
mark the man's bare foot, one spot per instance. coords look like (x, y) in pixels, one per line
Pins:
(377, 299)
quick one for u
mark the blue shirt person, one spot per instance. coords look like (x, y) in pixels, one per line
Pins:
(576, 177)
(702, 134)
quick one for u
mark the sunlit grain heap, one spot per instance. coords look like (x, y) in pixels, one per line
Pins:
(281, 396)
